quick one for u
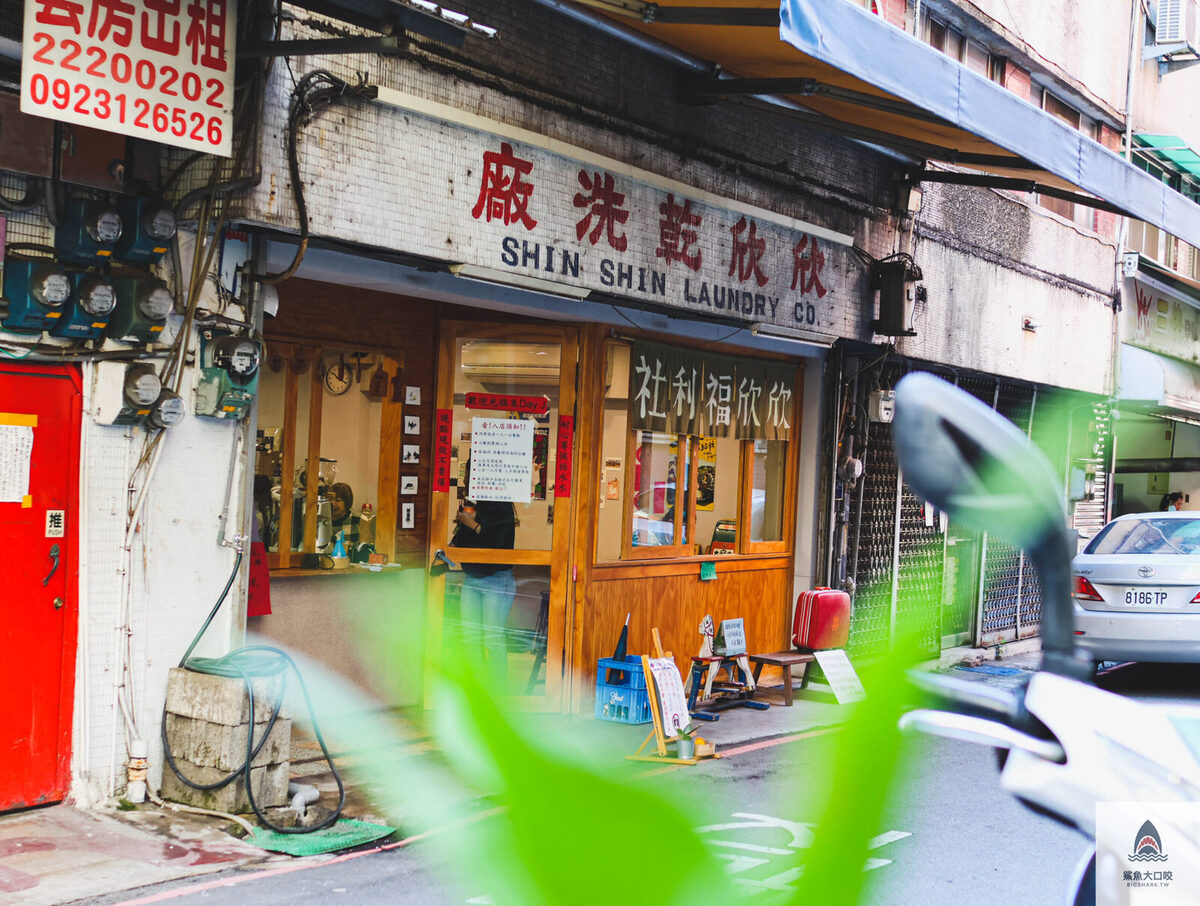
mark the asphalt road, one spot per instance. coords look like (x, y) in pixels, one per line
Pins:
(949, 836)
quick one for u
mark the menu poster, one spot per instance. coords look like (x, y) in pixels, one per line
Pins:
(501, 459)
(672, 700)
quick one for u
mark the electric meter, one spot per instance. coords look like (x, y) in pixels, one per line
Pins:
(37, 289)
(143, 304)
(238, 356)
(149, 227)
(228, 376)
(88, 233)
(140, 391)
(168, 410)
(86, 313)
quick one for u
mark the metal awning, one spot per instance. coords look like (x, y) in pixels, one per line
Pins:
(1159, 384)
(851, 72)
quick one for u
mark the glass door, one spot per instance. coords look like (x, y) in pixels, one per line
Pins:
(504, 451)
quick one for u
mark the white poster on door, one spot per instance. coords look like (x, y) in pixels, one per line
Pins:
(16, 451)
(501, 459)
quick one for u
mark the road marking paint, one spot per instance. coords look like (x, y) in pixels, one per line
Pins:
(752, 847)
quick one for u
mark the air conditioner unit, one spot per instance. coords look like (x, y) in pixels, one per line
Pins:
(1178, 23)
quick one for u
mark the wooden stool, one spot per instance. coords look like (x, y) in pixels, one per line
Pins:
(786, 660)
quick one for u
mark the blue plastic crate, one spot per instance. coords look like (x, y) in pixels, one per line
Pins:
(625, 700)
(630, 671)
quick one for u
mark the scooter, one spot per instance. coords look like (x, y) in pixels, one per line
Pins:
(1125, 773)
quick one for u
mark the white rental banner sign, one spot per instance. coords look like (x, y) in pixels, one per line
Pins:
(155, 69)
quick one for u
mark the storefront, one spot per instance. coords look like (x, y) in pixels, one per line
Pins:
(1157, 439)
(628, 465)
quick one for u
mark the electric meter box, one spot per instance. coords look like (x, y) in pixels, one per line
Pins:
(228, 379)
(88, 233)
(881, 406)
(148, 227)
(142, 307)
(37, 291)
(125, 394)
(86, 313)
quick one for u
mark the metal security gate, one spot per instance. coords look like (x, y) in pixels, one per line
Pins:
(908, 568)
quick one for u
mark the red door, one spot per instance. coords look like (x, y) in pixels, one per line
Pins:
(40, 411)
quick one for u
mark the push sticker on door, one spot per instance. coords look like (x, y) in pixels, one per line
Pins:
(16, 452)
(56, 523)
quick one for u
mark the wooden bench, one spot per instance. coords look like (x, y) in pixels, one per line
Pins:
(785, 660)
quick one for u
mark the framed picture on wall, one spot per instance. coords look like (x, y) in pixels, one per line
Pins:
(408, 484)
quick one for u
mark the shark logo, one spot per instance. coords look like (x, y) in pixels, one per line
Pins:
(1147, 845)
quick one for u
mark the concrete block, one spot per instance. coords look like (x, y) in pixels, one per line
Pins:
(219, 699)
(224, 747)
(270, 787)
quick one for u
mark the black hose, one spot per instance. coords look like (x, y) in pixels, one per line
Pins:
(249, 663)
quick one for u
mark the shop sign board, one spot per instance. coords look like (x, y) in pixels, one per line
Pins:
(154, 69)
(685, 391)
(1162, 322)
(552, 218)
(501, 459)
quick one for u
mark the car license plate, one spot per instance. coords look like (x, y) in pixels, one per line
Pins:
(1145, 597)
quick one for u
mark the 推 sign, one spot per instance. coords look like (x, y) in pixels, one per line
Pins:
(154, 69)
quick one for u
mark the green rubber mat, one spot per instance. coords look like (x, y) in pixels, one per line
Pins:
(344, 834)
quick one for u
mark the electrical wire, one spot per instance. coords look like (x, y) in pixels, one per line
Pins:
(315, 91)
(247, 664)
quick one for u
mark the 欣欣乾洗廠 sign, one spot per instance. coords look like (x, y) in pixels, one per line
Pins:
(151, 69)
(545, 216)
(501, 459)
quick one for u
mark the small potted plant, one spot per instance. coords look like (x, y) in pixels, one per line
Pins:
(685, 745)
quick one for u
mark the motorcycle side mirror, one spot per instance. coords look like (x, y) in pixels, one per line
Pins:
(970, 461)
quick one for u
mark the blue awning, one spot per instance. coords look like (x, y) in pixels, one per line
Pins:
(880, 57)
(849, 71)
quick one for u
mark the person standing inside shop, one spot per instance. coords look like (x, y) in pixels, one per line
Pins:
(488, 588)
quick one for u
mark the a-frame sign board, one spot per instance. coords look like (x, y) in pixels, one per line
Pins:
(668, 707)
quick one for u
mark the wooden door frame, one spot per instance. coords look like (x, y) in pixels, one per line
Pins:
(560, 632)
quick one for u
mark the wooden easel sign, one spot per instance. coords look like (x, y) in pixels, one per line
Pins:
(668, 707)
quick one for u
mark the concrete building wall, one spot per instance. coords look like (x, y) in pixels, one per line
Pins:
(1084, 41)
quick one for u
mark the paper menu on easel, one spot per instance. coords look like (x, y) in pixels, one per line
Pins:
(672, 700)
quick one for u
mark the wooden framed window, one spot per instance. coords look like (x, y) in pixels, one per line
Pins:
(328, 429)
(694, 454)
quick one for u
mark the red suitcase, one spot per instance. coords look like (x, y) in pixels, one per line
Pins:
(822, 619)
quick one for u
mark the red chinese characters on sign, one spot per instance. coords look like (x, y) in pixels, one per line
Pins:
(443, 427)
(564, 453)
(604, 210)
(205, 35)
(161, 32)
(675, 237)
(501, 402)
(111, 20)
(806, 268)
(63, 13)
(747, 253)
(504, 195)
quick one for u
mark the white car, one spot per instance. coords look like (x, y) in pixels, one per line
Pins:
(1136, 589)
